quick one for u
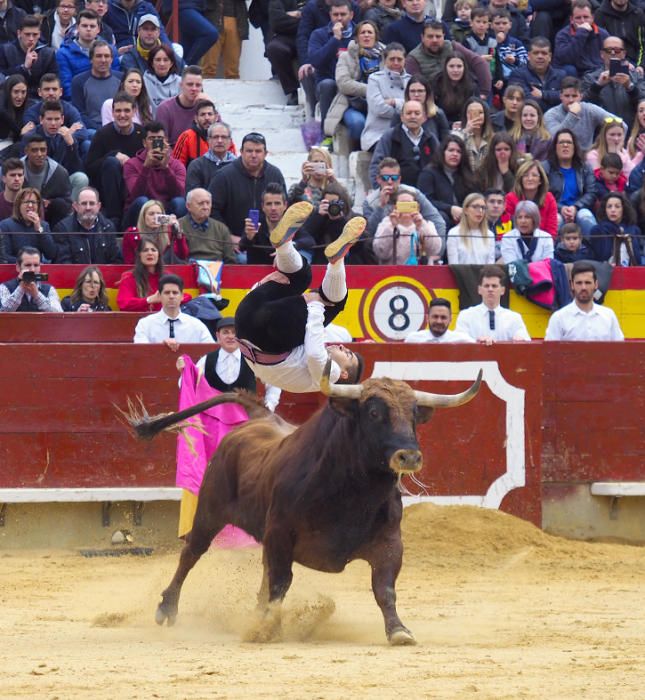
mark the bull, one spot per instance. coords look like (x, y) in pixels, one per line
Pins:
(322, 494)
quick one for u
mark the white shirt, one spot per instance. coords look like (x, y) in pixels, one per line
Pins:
(572, 323)
(480, 252)
(510, 251)
(475, 322)
(302, 371)
(155, 328)
(427, 336)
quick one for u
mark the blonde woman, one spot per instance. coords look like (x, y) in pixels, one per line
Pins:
(471, 242)
(611, 139)
(316, 174)
(150, 225)
(636, 142)
(529, 133)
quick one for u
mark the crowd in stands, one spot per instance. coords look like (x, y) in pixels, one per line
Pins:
(497, 132)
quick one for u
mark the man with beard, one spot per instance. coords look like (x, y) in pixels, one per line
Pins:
(193, 142)
(86, 237)
(583, 319)
(439, 318)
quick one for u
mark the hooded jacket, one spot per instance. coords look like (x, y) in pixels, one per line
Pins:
(72, 60)
(159, 91)
(56, 184)
(155, 183)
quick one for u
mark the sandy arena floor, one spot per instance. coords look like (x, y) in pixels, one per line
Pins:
(499, 609)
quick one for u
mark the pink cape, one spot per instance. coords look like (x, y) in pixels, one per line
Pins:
(217, 422)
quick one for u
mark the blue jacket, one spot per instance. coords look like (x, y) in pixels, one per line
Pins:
(315, 15)
(12, 61)
(19, 235)
(70, 116)
(323, 52)
(636, 178)
(199, 5)
(580, 48)
(549, 85)
(72, 60)
(602, 240)
(125, 24)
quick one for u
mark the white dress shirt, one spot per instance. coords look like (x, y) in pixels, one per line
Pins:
(475, 322)
(155, 328)
(302, 370)
(572, 323)
(426, 336)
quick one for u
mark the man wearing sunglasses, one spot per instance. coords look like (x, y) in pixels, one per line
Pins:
(380, 202)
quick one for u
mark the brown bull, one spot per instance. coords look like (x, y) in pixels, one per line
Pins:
(322, 495)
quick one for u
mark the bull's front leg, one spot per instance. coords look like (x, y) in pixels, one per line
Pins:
(386, 563)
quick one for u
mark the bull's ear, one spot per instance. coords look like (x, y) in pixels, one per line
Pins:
(424, 414)
(344, 407)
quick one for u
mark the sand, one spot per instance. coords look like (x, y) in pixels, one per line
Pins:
(499, 610)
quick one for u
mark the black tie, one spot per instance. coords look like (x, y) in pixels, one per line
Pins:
(172, 322)
(491, 320)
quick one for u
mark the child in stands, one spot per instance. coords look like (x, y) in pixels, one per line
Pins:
(572, 246)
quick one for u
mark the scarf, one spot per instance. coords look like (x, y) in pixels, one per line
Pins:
(145, 52)
(369, 61)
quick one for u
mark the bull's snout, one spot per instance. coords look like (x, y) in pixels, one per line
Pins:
(406, 461)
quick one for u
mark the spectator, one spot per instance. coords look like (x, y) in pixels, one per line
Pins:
(506, 118)
(380, 202)
(571, 181)
(132, 84)
(438, 318)
(177, 113)
(161, 78)
(539, 80)
(139, 288)
(572, 246)
(480, 39)
(61, 145)
(24, 293)
(383, 13)
(203, 169)
(256, 239)
(86, 236)
(232, 23)
(48, 177)
(153, 173)
(532, 185)
(609, 176)
(453, 86)
(101, 8)
(499, 222)
(385, 91)
(237, 188)
(420, 90)
(500, 164)
(13, 178)
(10, 18)
(582, 118)
(461, 24)
(448, 179)
(88, 294)
(207, 238)
(577, 47)
(193, 142)
(74, 55)
(615, 238)
(636, 141)
(618, 93)
(526, 241)
(529, 133)
(154, 224)
(611, 139)
(170, 325)
(354, 67)
(25, 228)
(316, 173)
(13, 105)
(324, 46)
(112, 146)
(407, 30)
(124, 17)
(197, 33)
(475, 129)
(624, 19)
(404, 237)
(282, 50)
(471, 242)
(149, 32)
(411, 146)
(548, 17)
(582, 319)
(489, 322)
(518, 28)
(91, 88)
(510, 51)
(27, 56)
(429, 57)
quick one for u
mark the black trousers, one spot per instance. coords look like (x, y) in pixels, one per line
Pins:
(282, 52)
(273, 316)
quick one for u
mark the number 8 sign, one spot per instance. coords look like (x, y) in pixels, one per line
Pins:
(394, 308)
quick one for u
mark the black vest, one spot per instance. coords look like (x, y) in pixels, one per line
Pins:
(245, 379)
(25, 304)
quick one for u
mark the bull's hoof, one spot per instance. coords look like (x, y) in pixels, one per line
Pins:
(164, 615)
(402, 637)
(267, 627)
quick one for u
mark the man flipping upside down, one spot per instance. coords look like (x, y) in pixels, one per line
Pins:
(280, 328)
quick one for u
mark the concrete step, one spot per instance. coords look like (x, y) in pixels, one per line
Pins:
(278, 140)
(245, 92)
(258, 118)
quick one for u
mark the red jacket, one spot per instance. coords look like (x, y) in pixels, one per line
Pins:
(548, 213)
(128, 299)
(131, 240)
(155, 183)
(191, 145)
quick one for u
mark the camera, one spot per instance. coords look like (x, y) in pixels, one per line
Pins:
(336, 208)
(407, 207)
(162, 219)
(158, 143)
(28, 277)
(319, 167)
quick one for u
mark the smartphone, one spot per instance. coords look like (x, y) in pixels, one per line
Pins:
(162, 219)
(615, 66)
(158, 143)
(320, 167)
(407, 207)
(254, 215)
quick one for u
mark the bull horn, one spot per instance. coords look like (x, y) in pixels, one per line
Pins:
(338, 391)
(425, 398)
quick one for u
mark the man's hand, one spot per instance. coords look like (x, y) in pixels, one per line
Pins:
(337, 31)
(586, 26)
(30, 288)
(386, 194)
(536, 92)
(294, 13)
(67, 135)
(181, 363)
(305, 70)
(603, 78)
(76, 126)
(124, 49)
(236, 242)
(30, 58)
(485, 340)
(456, 213)
(171, 344)
(122, 157)
(575, 108)
(249, 229)
(622, 79)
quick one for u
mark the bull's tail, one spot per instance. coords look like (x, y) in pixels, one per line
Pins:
(146, 427)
